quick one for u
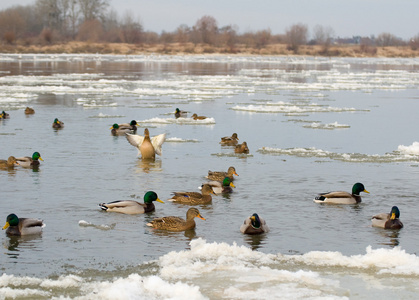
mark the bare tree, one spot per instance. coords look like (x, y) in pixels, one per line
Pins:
(206, 27)
(414, 42)
(323, 36)
(228, 36)
(93, 9)
(182, 33)
(12, 25)
(296, 36)
(387, 39)
(130, 29)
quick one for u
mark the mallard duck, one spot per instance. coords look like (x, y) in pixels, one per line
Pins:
(132, 126)
(176, 223)
(221, 187)
(147, 147)
(194, 198)
(9, 163)
(221, 175)
(342, 197)
(180, 113)
(116, 129)
(196, 117)
(241, 148)
(29, 111)
(30, 162)
(22, 226)
(388, 221)
(230, 140)
(57, 124)
(132, 207)
(254, 225)
(4, 115)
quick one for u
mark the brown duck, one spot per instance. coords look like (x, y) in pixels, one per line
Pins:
(230, 140)
(221, 175)
(241, 148)
(9, 163)
(194, 197)
(176, 223)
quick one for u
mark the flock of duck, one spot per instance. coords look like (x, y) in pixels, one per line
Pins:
(219, 182)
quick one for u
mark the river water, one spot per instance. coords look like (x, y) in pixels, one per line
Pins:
(312, 125)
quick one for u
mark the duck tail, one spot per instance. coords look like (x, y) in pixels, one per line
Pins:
(103, 206)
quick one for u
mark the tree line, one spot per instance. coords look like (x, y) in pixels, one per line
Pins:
(57, 21)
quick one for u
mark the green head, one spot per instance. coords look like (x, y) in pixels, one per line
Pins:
(227, 182)
(133, 123)
(11, 220)
(150, 197)
(357, 188)
(36, 156)
(177, 110)
(56, 121)
(255, 220)
(115, 126)
(395, 213)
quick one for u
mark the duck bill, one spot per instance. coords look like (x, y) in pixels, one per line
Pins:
(41, 158)
(365, 191)
(393, 216)
(236, 174)
(6, 226)
(158, 200)
(201, 217)
(232, 185)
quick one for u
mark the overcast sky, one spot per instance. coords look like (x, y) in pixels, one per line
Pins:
(346, 17)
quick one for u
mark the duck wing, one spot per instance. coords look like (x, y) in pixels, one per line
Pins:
(157, 141)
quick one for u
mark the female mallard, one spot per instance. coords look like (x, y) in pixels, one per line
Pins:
(117, 129)
(254, 225)
(342, 197)
(230, 140)
(132, 126)
(30, 162)
(196, 117)
(57, 124)
(241, 148)
(22, 226)
(147, 147)
(132, 207)
(29, 111)
(221, 175)
(194, 197)
(221, 187)
(176, 223)
(9, 163)
(180, 113)
(388, 221)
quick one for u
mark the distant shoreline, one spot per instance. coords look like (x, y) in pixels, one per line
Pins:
(189, 49)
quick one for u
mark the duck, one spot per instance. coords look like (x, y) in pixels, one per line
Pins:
(388, 221)
(241, 148)
(29, 111)
(148, 148)
(117, 129)
(4, 115)
(230, 140)
(30, 162)
(57, 124)
(9, 163)
(194, 198)
(221, 175)
(22, 226)
(342, 197)
(132, 207)
(196, 117)
(132, 125)
(254, 225)
(221, 187)
(180, 113)
(176, 223)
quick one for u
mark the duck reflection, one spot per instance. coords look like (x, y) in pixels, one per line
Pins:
(391, 237)
(149, 165)
(14, 244)
(255, 241)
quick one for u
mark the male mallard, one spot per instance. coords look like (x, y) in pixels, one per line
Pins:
(254, 225)
(180, 113)
(176, 223)
(22, 226)
(388, 221)
(241, 148)
(147, 147)
(117, 129)
(30, 162)
(221, 175)
(4, 115)
(196, 117)
(9, 163)
(57, 124)
(221, 187)
(29, 111)
(230, 140)
(342, 197)
(132, 207)
(132, 126)
(194, 198)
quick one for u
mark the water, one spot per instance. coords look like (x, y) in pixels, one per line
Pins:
(312, 125)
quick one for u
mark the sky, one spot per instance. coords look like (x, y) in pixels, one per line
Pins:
(347, 18)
